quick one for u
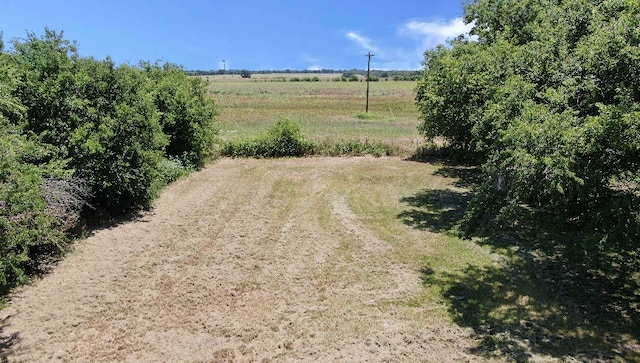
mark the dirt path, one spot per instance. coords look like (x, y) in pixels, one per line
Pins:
(244, 261)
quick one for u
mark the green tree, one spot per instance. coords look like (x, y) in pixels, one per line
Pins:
(78, 132)
(548, 100)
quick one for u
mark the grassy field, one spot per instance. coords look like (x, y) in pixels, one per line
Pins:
(522, 302)
(327, 110)
(520, 307)
(318, 259)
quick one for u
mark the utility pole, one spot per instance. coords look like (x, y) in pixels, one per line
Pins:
(368, 55)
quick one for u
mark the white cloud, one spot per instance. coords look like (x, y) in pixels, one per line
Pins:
(439, 29)
(437, 32)
(362, 41)
(406, 49)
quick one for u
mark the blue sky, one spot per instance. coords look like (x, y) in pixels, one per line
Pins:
(247, 34)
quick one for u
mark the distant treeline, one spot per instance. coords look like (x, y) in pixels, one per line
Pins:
(396, 75)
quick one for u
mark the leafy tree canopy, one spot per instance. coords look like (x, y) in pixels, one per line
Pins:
(548, 101)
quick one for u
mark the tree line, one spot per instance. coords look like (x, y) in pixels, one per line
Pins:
(397, 75)
(80, 134)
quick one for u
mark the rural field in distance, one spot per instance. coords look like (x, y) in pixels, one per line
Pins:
(327, 110)
(345, 259)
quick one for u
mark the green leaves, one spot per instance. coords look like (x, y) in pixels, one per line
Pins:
(25, 222)
(186, 113)
(548, 99)
(283, 139)
(76, 132)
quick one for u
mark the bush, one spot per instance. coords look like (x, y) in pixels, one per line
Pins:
(27, 224)
(186, 113)
(284, 139)
(120, 144)
(357, 148)
(170, 170)
(113, 124)
(76, 132)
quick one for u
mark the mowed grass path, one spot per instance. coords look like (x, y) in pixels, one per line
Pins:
(525, 304)
(327, 110)
(286, 260)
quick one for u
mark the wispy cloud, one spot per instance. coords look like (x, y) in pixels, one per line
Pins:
(362, 41)
(433, 33)
(405, 49)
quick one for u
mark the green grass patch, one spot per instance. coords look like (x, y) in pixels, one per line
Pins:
(367, 116)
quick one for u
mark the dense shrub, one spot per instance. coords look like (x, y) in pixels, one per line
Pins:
(170, 170)
(80, 133)
(283, 139)
(356, 148)
(186, 113)
(118, 149)
(26, 223)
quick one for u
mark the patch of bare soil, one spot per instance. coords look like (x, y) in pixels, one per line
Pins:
(245, 261)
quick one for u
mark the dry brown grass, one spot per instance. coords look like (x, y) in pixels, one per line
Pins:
(253, 260)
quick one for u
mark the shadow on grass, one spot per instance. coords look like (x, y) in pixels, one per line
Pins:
(435, 210)
(548, 297)
(535, 306)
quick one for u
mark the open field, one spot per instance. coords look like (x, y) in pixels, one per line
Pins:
(327, 111)
(315, 259)
(270, 76)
